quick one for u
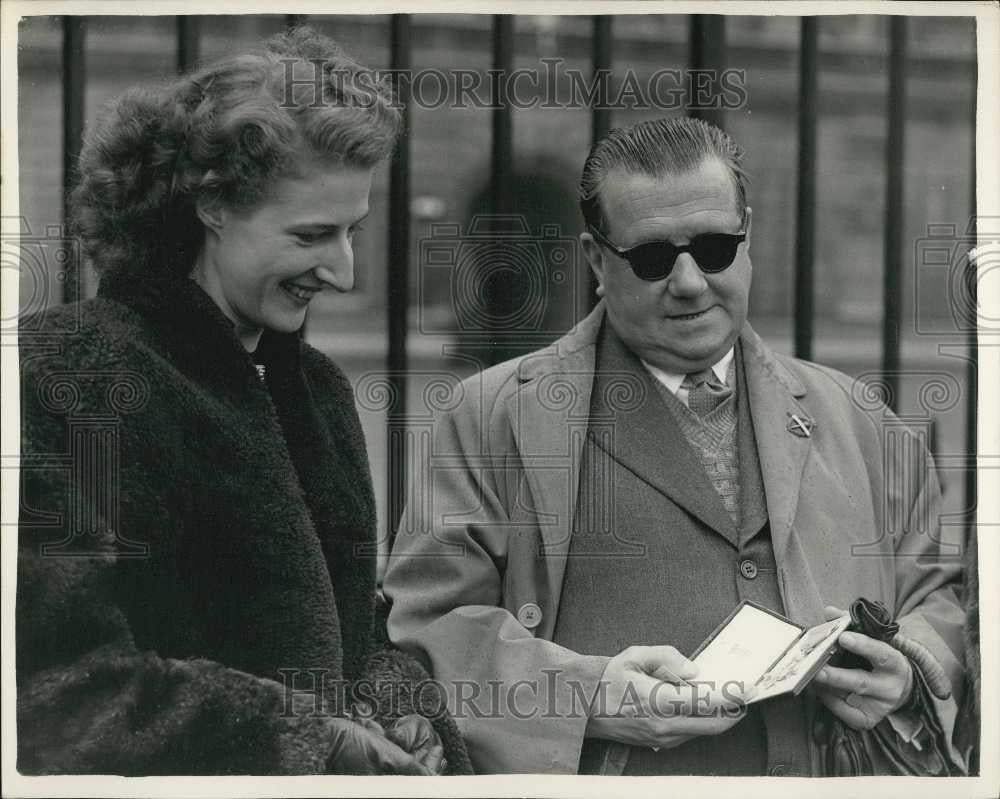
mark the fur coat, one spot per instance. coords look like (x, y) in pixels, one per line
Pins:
(196, 575)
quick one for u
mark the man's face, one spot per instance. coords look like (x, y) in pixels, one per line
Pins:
(688, 320)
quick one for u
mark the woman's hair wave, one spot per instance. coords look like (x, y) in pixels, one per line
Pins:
(222, 135)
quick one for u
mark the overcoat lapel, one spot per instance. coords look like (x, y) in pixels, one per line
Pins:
(773, 395)
(646, 439)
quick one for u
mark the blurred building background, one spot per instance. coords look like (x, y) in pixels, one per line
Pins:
(450, 182)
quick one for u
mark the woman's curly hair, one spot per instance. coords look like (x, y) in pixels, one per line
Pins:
(223, 134)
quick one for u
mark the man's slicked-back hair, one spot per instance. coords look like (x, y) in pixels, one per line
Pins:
(658, 148)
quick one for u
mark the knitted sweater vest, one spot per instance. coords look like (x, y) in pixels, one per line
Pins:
(714, 441)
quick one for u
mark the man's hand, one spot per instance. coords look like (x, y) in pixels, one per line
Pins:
(859, 698)
(361, 747)
(645, 699)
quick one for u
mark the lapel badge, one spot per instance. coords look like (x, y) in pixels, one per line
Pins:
(800, 426)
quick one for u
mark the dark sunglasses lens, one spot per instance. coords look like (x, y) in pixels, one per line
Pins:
(652, 261)
(714, 251)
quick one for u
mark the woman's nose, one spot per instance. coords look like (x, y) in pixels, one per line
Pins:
(686, 278)
(337, 268)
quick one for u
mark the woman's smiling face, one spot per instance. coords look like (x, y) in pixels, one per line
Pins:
(264, 265)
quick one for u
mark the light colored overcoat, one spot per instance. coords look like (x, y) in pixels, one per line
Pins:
(475, 582)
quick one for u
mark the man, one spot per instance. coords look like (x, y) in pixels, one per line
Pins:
(600, 506)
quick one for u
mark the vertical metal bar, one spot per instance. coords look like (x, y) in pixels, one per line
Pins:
(894, 208)
(188, 41)
(501, 161)
(397, 278)
(706, 59)
(805, 226)
(600, 115)
(502, 151)
(73, 82)
(292, 21)
(601, 56)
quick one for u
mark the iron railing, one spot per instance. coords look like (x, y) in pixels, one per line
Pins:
(707, 51)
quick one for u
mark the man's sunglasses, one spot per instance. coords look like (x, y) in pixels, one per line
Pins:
(654, 260)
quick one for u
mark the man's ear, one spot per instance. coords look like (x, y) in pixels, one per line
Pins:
(212, 215)
(595, 259)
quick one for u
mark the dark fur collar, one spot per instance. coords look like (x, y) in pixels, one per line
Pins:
(195, 327)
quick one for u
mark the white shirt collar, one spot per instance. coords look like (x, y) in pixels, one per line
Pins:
(673, 381)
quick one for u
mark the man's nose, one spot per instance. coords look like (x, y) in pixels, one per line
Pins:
(336, 268)
(686, 279)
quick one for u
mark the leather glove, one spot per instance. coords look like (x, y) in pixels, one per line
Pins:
(870, 618)
(365, 749)
(415, 734)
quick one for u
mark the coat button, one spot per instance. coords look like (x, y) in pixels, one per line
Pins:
(530, 615)
(748, 569)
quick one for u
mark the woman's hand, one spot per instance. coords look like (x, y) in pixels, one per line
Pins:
(363, 748)
(415, 734)
(859, 698)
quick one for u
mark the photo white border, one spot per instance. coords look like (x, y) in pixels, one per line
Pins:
(988, 205)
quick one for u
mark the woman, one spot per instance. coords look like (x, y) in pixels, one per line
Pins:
(201, 602)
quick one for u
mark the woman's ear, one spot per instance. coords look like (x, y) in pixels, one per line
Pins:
(212, 215)
(595, 259)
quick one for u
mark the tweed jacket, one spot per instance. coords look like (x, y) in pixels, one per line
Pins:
(475, 584)
(196, 548)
